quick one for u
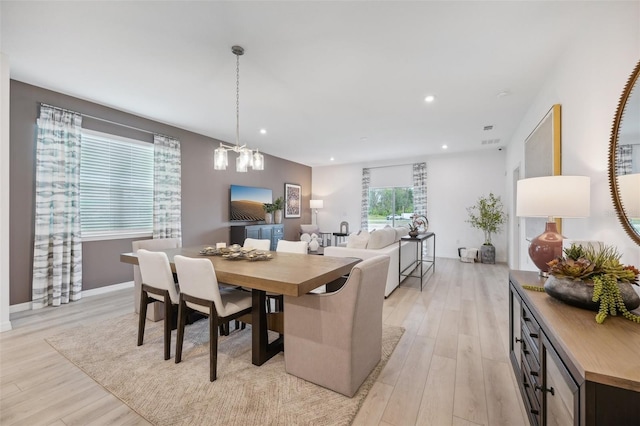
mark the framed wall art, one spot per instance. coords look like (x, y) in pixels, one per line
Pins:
(292, 200)
(542, 158)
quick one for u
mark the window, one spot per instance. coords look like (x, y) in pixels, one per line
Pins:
(390, 206)
(116, 187)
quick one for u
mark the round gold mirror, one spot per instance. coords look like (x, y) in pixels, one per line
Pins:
(624, 158)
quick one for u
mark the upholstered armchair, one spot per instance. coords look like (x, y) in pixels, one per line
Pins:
(155, 311)
(335, 339)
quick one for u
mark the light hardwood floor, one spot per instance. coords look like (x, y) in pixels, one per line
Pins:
(451, 366)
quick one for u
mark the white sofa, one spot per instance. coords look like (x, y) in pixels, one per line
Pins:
(365, 245)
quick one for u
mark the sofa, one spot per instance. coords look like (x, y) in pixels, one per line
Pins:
(365, 245)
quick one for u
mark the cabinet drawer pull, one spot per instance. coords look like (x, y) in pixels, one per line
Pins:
(534, 335)
(550, 390)
(526, 319)
(534, 373)
(534, 411)
(518, 340)
(526, 352)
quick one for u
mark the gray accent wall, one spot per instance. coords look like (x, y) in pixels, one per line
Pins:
(205, 192)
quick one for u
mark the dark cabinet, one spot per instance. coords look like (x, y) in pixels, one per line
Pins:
(260, 232)
(571, 370)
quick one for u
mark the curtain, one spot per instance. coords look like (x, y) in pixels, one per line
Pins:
(624, 162)
(364, 212)
(420, 188)
(167, 198)
(57, 247)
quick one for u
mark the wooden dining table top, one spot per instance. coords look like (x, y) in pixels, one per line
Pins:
(291, 274)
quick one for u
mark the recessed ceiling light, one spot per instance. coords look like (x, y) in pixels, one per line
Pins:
(263, 131)
(331, 159)
(430, 98)
(364, 139)
(503, 93)
(444, 147)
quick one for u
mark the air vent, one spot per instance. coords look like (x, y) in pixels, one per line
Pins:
(490, 141)
(488, 128)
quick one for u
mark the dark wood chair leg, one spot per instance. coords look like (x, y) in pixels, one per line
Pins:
(142, 315)
(168, 318)
(182, 319)
(213, 343)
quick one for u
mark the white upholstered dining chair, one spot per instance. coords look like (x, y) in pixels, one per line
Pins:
(157, 284)
(264, 245)
(199, 292)
(155, 311)
(335, 339)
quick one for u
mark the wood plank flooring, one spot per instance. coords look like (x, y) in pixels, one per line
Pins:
(451, 366)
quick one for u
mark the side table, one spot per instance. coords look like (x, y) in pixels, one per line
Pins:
(339, 237)
(420, 260)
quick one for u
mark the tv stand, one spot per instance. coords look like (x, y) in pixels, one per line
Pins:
(260, 232)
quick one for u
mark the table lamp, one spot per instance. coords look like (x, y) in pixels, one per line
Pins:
(316, 204)
(551, 197)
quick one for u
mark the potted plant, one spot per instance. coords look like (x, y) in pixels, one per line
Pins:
(269, 209)
(593, 278)
(278, 205)
(489, 216)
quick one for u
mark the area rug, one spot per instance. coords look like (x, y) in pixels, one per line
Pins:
(166, 393)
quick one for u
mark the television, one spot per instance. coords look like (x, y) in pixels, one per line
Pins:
(246, 202)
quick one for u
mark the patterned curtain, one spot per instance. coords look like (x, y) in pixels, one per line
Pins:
(57, 247)
(624, 162)
(364, 213)
(420, 188)
(167, 187)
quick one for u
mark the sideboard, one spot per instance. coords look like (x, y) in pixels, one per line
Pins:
(570, 369)
(261, 232)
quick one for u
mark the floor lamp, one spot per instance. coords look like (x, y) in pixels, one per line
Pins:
(551, 197)
(316, 204)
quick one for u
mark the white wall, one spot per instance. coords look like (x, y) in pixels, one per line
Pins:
(587, 81)
(5, 324)
(454, 182)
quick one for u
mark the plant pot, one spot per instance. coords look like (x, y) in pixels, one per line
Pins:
(277, 216)
(413, 234)
(268, 218)
(580, 293)
(488, 253)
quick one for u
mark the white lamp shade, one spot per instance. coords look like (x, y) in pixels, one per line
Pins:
(629, 191)
(554, 196)
(316, 204)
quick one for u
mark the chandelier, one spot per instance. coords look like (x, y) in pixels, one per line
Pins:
(246, 157)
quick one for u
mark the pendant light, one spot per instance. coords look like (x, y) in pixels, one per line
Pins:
(246, 157)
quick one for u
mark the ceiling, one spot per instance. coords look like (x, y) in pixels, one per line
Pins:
(341, 79)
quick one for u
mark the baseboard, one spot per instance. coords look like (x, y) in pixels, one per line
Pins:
(85, 293)
(5, 326)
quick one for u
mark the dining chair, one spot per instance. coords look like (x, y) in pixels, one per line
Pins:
(264, 245)
(199, 292)
(335, 339)
(155, 311)
(157, 284)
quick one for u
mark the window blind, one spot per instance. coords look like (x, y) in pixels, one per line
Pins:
(116, 186)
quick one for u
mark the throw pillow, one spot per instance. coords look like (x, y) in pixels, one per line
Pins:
(358, 240)
(381, 238)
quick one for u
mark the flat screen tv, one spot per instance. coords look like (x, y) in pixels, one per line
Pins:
(247, 201)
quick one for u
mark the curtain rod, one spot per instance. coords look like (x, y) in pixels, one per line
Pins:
(395, 165)
(107, 121)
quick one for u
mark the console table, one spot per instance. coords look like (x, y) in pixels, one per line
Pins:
(571, 370)
(420, 260)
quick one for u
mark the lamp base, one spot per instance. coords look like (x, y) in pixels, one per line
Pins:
(546, 247)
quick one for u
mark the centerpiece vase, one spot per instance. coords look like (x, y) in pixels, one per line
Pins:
(277, 216)
(268, 218)
(579, 293)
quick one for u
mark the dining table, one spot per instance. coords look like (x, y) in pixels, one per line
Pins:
(291, 274)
